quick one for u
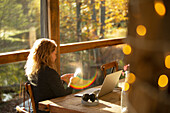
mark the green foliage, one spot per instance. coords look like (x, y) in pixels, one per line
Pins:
(17, 14)
(16, 19)
(11, 14)
(14, 45)
(12, 73)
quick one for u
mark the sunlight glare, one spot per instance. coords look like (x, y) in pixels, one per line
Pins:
(78, 70)
(110, 107)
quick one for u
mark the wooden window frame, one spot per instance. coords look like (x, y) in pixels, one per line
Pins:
(54, 34)
(16, 56)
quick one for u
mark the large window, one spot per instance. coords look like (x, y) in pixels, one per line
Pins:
(85, 20)
(11, 75)
(19, 24)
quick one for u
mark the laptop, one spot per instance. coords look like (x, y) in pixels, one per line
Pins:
(108, 85)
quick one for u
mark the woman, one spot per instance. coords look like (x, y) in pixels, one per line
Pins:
(41, 71)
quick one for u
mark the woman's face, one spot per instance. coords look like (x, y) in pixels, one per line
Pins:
(53, 55)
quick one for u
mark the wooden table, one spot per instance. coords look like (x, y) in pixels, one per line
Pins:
(109, 103)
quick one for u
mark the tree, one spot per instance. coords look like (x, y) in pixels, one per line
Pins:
(11, 15)
(15, 14)
(102, 18)
(78, 8)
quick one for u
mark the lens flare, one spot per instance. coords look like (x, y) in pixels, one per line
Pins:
(167, 62)
(81, 83)
(127, 49)
(78, 70)
(160, 8)
(141, 30)
(163, 81)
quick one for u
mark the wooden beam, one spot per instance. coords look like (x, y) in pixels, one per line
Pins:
(54, 26)
(16, 56)
(73, 47)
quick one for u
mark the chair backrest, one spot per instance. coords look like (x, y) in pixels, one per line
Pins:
(27, 89)
(107, 66)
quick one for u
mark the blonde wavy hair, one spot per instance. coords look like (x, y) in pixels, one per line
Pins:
(40, 56)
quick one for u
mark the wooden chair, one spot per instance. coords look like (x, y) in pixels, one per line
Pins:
(111, 65)
(29, 90)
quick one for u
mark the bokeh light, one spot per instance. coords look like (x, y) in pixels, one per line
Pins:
(160, 8)
(126, 87)
(127, 49)
(167, 61)
(131, 78)
(141, 30)
(163, 81)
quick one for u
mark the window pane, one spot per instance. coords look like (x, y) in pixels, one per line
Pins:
(11, 75)
(89, 61)
(92, 19)
(19, 24)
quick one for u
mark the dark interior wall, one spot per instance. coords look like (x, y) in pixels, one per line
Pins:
(147, 59)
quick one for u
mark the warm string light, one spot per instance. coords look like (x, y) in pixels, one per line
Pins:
(130, 78)
(126, 86)
(127, 49)
(163, 81)
(141, 30)
(167, 61)
(160, 8)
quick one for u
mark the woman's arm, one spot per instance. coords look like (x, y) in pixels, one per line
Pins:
(56, 85)
(66, 77)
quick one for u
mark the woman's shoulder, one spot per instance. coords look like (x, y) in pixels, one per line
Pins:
(49, 73)
(47, 69)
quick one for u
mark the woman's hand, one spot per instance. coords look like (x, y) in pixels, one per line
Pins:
(66, 77)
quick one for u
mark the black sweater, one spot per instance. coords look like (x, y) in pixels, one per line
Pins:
(48, 86)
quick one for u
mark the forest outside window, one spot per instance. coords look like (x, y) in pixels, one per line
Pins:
(19, 24)
(84, 20)
(89, 62)
(19, 28)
